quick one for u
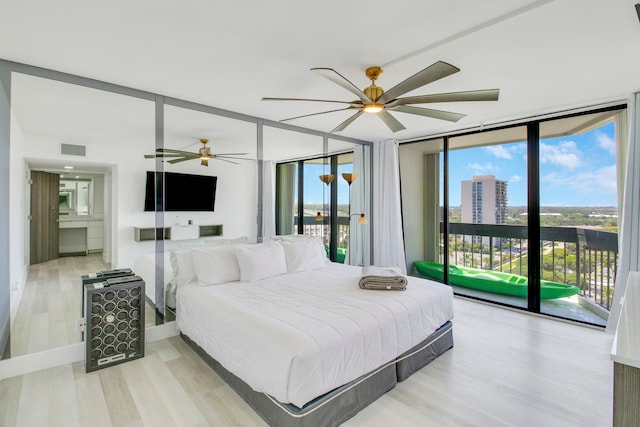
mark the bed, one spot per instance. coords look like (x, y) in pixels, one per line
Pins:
(297, 338)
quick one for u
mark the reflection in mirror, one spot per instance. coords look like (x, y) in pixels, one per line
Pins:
(96, 139)
(296, 209)
(74, 197)
(232, 167)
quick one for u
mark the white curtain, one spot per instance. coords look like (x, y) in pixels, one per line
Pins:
(388, 242)
(268, 199)
(360, 201)
(629, 230)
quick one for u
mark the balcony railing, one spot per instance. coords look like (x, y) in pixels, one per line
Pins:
(322, 229)
(578, 256)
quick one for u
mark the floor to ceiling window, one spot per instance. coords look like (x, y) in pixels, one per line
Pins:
(313, 198)
(579, 211)
(487, 215)
(563, 171)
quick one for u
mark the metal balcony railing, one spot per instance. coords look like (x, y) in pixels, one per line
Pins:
(312, 227)
(578, 256)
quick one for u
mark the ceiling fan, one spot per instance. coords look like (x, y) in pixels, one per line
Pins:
(204, 154)
(373, 99)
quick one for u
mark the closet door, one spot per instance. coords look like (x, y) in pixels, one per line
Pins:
(44, 230)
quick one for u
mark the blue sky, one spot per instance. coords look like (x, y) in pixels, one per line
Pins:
(576, 170)
(314, 187)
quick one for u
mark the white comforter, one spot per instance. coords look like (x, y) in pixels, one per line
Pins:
(300, 335)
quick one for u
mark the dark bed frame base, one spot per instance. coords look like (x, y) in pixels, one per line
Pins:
(337, 406)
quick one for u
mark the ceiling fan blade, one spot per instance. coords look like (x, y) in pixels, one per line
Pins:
(184, 159)
(230, 154)
(342, 126)
(161, 155)
(339, 79)
(204, 162)
(390, 121)
(471, 95)
(315, 114)
(428, 112)
(170, 150)
(228, 161)
(312, 100)
(222, 157)
(434, 72)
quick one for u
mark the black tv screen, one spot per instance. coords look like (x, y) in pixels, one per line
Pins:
(182, 192)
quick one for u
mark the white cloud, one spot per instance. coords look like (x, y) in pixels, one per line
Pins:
(515, 178)
(478, 168)
(499, 151)
(606, 142)
(589, 183)
(565, 154)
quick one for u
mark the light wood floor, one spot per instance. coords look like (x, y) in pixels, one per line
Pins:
(506, 369)
(51, 304)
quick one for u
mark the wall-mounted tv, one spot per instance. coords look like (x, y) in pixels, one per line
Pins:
(182, 192)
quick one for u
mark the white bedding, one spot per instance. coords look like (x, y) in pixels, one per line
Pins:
(300, 335)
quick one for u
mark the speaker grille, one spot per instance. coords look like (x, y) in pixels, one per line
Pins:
(73, 150)
(115, 321)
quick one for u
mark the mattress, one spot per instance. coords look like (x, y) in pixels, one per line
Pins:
(300, 335)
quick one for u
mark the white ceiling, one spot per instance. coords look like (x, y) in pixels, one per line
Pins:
(544, 55)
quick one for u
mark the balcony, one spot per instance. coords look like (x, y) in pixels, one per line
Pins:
(312, 227)
(582, 257)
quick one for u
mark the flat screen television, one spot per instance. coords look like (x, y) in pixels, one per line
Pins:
(182, 192)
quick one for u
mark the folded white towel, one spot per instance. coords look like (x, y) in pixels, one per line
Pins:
(374, 270)
(382, 278)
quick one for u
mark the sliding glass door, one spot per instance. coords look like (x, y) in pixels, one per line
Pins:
(527, 215)
(488, 247)
(579, 215)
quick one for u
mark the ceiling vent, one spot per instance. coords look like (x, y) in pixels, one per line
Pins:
(73, 150)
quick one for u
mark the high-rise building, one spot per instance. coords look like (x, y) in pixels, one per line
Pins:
(484, 201)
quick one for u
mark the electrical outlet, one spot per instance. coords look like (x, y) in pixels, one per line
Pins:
(80, 324)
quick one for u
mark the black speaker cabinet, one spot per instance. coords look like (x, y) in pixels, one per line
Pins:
(100, 276)
(115, 321)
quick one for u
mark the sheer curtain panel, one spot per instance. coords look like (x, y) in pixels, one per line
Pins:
(388, 241)
(629, 233)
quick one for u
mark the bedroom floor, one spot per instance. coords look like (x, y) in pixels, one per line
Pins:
(51, 303)
(506, 369)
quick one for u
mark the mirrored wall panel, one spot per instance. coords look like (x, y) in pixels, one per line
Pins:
(76, 156)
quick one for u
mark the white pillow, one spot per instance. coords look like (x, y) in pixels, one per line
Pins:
(182, 266)
(215, 265)
(303, 255)
(260, 261)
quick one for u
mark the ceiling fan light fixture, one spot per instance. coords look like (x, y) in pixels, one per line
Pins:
(373, 108)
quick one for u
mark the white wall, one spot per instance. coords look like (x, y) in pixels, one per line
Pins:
(411, 181)
(18, 233)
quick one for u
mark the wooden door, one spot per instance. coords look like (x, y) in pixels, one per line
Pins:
(45, 188)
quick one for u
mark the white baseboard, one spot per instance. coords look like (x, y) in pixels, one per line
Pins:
(28, 363)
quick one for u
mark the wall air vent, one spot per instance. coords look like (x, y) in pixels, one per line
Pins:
(73, 150)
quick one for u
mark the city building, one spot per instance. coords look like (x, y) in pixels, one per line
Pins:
(484, 201)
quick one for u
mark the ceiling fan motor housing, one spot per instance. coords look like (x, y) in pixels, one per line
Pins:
(373, 92)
